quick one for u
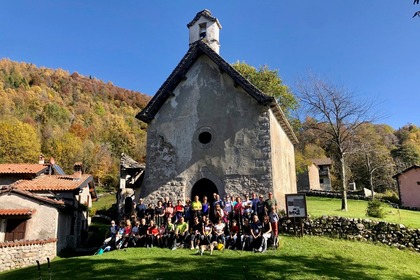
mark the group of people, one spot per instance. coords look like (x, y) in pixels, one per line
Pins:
(246, 224)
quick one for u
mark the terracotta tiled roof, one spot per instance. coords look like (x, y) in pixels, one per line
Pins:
(322, 161)
(16, 212)
(24, 168)
(55, 202)
(54, 183)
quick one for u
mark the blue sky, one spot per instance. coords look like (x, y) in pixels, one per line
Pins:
(370, 47)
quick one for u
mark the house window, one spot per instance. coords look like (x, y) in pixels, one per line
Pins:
(15, 229)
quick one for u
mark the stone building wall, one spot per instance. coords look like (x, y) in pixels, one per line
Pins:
(25, 253)
(239, 150)
(282, 160)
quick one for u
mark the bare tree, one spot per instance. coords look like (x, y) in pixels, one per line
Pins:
(338, 115)
(418, 12)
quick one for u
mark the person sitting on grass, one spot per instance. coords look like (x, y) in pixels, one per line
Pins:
(153, 235)
(207, 231)
(142, 234)
(119, 238)
(246, 237)
(219, 231)
(112, 230)
(196, 232)
(169, 236)
(233, 235)
(134, 234)
(181, 232)
(266, 233)
(256, 232)
(126, 233)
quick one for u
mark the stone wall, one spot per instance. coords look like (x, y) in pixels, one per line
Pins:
(24, 253)
(396, 235)
(239, 185)
(174, 189)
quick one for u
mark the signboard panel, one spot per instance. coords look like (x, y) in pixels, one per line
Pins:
(296, 206)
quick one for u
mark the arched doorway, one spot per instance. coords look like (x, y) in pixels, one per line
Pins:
(204, 187)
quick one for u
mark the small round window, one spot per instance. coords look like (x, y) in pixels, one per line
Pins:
(204, 137)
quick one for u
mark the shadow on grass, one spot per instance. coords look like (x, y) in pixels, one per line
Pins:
(227, 265)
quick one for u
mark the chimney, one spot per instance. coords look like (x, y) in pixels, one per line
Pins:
(41, 160)
(205, 27)
(77, 170)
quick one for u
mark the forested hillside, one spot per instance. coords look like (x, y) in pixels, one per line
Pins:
(75, 118)
(69, 117)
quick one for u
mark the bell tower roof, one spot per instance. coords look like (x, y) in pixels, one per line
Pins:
(207, 14)
(205, 27)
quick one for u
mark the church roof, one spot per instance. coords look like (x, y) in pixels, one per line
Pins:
(195, 51)
(204, 13)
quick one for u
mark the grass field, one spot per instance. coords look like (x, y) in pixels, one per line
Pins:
(297, 258)
(318, 206)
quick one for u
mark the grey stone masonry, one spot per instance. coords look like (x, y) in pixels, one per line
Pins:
(25, 253)
(395, 235)
(175, 189)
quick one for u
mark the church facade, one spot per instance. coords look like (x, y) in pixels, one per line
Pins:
(211, 131)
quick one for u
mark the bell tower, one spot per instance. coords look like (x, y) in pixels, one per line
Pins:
(205, 27)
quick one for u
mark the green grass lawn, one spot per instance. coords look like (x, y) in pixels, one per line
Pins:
(309, 257)
(297, 258)
(103, 203)
(318, 206)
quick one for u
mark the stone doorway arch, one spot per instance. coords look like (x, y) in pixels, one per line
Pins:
(204, 187)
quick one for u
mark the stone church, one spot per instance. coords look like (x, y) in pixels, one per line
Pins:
(211, 131)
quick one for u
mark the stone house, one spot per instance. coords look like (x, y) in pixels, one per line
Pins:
(46, 207)
(408, 182)
(318, 176)
(211, 131)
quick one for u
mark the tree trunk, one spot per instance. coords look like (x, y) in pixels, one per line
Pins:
(371, 185)
(344, 182)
